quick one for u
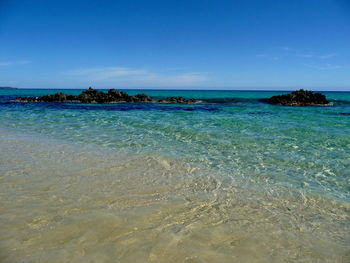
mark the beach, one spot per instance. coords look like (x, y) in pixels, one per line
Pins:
(214, 182)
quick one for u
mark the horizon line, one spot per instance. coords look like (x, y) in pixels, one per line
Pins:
(209, 90)
(346, 89)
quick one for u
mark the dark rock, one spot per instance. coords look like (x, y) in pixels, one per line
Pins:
(177, 100)
(92, 96)
(95, 96)
(143, 98)
(299, 98)
(58, 97)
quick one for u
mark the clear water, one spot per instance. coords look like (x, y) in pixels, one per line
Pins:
(211, 182)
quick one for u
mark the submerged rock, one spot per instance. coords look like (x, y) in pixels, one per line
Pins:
(299, 98)
(95, 96)
(177, 100)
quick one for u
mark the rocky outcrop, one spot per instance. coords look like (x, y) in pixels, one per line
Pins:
(112, 96)
(95, 96)
(299, 98)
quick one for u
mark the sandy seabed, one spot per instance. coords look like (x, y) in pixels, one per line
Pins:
(66, 202)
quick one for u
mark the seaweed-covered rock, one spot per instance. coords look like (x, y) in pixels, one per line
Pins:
(95, 96)
(177, 100)
(57, 97)
(92, 96)
(143, 98)
(299, 98)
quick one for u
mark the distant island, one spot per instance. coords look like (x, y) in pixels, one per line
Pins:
(7, 88)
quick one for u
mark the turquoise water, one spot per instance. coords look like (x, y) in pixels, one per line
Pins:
(232, 180)
(302, 147)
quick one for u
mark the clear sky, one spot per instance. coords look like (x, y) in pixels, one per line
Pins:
(237, 44)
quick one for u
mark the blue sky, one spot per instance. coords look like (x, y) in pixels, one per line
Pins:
(243, 44)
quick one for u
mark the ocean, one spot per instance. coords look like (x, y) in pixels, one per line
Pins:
(232, 180)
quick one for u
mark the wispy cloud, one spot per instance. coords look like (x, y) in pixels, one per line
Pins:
(326, 66)
(316, 56)
(106, 72)
(310, 55)
(309, 59)
(13, 63)
(137, 76)
(180, 79)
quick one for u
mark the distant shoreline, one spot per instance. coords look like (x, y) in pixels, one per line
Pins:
(7, 88)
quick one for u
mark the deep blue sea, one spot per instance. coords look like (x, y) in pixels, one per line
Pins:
(280, 158)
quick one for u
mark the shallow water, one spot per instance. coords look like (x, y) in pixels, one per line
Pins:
(241, 182)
